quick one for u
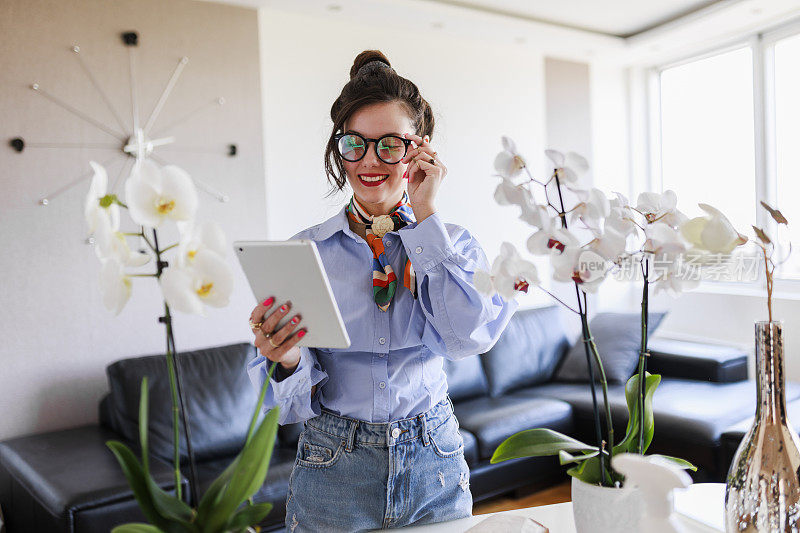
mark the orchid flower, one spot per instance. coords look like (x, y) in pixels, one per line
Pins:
(621, 217)
(585, 267)
(115, 286)
(194, 238)
(536, 215)
(510, 274)
(611, 245)
(208, 281)
(509, 163)
(111, 244)
(551, 239)
(94, 213)
(592, 210)
(507, 193)
(713, 233)
(568, 168)
(657, 207)
(154, 194)
(674, 279)
(663, 240)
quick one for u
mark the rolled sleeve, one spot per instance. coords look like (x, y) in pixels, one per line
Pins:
(291, 394)
(460, 321)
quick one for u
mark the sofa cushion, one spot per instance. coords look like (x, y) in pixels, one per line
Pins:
(493, 420)
(470, 447)
(618, 337)
(527, 351)
(219, 397)
(465, 378)
(695, 360)
(695, 412)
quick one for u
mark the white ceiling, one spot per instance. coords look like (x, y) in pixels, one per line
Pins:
(621, 18)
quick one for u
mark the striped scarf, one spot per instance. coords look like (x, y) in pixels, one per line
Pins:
(384, 280)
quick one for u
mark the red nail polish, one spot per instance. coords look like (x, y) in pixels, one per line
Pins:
(405, 175)
(295, 320)
(268, 301)
(284, 308)
(301, 333)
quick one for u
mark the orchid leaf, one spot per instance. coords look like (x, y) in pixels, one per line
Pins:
(676, 461)
(631, 441)
(588, 471)
(762, 235)
(537, 443)
(248, 516)
(136, 528)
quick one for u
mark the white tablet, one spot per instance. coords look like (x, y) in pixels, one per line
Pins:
(293, 270)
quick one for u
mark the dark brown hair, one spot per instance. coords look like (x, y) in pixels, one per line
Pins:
(372, 80)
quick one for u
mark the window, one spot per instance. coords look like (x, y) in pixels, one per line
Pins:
(707, 148)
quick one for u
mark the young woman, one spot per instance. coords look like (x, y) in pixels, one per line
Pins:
(381, 446)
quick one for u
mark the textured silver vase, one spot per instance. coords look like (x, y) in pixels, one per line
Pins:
(763, 488)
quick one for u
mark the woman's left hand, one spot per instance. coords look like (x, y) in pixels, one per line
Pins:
(425, 175)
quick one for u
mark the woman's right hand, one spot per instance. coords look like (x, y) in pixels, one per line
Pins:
(277, 345)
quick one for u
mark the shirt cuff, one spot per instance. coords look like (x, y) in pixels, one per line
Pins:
(427, 243)
(285, 386)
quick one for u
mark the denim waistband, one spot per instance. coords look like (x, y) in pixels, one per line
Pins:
(354, 431)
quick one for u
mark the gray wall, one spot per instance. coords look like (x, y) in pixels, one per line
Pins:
(56, 337)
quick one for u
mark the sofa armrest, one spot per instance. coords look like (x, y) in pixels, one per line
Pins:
(69, 480)
(697, 360)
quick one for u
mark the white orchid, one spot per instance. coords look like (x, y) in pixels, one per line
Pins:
(111, 244)
(154, 194)
(585, 267)
(657, 207)
(551, 239)
(208, 281)
(663, 240)
(536, 215)
(593, 208)
(674, 278)
(197, 237)
(115, 286)
(713, 233)
(94, 213)
(568, 168)
(509, 163)
(611, 245)
(507, 193)
(510, 274)
(621, 217)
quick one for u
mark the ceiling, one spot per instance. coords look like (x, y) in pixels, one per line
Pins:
(620, 18)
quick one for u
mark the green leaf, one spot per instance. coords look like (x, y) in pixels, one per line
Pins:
(136, 479)
(249, 515)
(249, 473)
(537, 443)
(168, 506)
(214, 492)
(631, 441)
(136, 528)
(680, 463)
(566, 457)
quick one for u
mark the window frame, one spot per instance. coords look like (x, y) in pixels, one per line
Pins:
(762, 46)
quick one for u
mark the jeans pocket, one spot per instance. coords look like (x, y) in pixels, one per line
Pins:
(446, 440)
(317, 449)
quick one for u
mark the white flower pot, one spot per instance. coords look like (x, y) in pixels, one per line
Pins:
(604, 509)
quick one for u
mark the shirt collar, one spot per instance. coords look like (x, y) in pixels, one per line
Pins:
(333, 225)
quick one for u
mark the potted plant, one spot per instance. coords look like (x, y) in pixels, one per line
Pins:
(197, 276)
(585, 243)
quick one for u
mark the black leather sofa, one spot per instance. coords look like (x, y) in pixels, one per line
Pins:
(69, 481)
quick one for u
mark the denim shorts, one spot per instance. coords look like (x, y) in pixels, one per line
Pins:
(351, 475)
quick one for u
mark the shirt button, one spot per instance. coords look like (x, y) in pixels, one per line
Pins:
(382, 340)
(388, 242)
(419, 249)
(382, 384)
(381, 355)
(395, 433)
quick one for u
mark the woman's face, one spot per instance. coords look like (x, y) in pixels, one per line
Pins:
(374, 121)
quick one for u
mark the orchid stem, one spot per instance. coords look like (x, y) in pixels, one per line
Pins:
(642, 371)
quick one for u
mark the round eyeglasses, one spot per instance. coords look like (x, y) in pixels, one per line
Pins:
(353, 147)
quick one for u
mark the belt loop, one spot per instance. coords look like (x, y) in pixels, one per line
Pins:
(351, 436)
(425, 437)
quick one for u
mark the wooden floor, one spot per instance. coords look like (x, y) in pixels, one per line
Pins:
(556, 494)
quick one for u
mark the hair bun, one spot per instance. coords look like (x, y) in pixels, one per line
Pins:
(365, 58)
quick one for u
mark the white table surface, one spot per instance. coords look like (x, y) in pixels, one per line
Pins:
(701, 506)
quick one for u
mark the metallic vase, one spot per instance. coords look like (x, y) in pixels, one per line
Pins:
(763, 486)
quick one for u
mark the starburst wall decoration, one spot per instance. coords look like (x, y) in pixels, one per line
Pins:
(133, 143)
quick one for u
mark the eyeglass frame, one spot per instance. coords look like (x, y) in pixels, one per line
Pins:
(338, 137)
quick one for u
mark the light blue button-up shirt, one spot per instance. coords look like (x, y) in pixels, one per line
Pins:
(393, 368)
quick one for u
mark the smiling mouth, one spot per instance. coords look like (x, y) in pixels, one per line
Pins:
(372, 180)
